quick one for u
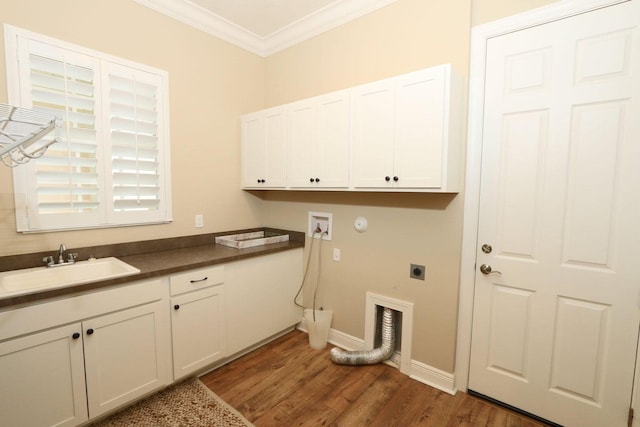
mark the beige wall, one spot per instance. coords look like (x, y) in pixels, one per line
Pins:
(403, 228)
(484, 11)
(211, 84)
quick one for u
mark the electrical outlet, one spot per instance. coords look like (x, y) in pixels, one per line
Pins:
(199, 221)
(417, 271)
(336, 254)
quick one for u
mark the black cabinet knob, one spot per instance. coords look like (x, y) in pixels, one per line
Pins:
(89, 331)
(395, 179)
(317, 179)
(387, 178)
(310, 179)
(75, 336)
(176, 307)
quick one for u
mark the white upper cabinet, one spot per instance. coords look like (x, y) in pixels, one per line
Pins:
(318, 142)
(406, 136)
(372, 139)
(397, 134)
(264, 149)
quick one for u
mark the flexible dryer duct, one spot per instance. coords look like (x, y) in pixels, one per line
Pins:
(370, 357)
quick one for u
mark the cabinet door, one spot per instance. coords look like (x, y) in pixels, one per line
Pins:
(198, 329)
(373, 133)
(263, 149)
(334, 137)
(42, 379)
(259, 297)
(302, 141)
(126, 355)
(318, 139)
(253, 150)
(276, 146)
(419, 129)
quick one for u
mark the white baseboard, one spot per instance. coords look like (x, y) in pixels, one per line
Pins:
(421, 372)
(434, 377)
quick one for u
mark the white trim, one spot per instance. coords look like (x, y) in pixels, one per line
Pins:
(334, 15)
(404, 307)
(325, 19)
(479, 37)
(434, 377)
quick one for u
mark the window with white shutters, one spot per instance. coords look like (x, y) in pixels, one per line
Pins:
(111, 166)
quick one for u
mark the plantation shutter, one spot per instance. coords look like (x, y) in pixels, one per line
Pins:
(134, 114)
(111, 165)
(66, 181)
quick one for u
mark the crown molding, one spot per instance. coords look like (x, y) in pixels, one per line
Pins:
(325, 19)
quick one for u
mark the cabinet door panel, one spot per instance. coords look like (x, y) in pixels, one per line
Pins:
(302, 144)
(253, 153)
(373, 133)
(126, 355)
(275, 141)
(419, 130)
(263, 149)
(42, 379)
(334, 134)
(318, 141)
(259, 295)
(198, 330)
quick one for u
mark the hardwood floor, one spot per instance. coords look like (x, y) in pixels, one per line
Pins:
(286, 383)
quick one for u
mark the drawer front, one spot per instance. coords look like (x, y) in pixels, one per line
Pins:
(196, 279)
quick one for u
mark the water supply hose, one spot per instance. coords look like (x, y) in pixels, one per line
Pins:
(371, 357)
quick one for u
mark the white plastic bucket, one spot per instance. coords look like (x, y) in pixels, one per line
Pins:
(318, 329)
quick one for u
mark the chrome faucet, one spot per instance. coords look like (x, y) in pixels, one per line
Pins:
(61, 253)
(71, 258)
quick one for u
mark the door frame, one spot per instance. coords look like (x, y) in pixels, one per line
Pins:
(478, 55)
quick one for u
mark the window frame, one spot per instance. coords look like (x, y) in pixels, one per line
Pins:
(28, 219)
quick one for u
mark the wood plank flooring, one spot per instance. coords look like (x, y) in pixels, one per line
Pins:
(286, 383)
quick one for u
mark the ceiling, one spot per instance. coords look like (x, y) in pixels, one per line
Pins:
(265, 27)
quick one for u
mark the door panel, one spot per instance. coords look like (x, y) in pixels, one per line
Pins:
(125, 355)
(555, 324)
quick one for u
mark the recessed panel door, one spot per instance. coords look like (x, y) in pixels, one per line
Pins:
(556, 308)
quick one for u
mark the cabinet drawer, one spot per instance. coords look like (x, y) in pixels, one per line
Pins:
(196, 279)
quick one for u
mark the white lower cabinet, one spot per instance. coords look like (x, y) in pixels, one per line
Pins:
(105, 354)
(42, 379)
(259, 293)
(124, 356)
(74, 359)
(198, 325)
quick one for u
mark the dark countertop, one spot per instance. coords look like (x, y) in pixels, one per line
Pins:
(154, 259)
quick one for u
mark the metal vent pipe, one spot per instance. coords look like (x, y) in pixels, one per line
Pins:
(371, 357)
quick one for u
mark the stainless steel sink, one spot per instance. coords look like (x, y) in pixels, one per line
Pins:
(38, 278)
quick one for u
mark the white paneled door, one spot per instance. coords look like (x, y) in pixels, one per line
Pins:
(556, 306)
